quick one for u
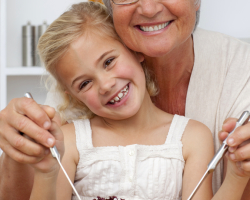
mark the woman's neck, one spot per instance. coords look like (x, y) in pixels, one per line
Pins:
(173, 72)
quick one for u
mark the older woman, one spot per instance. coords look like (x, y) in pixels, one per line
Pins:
(200, 74)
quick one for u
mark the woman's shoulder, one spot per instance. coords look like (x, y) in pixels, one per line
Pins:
(219, 42)
(197, 137)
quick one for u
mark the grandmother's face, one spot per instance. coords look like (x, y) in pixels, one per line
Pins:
(155, 27)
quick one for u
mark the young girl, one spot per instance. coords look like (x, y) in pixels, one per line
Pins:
(125, 146)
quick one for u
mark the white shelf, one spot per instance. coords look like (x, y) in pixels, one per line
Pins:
(25, 71)
(15, 80)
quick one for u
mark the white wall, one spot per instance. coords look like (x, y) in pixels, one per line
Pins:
(226, 16)
(19, 12)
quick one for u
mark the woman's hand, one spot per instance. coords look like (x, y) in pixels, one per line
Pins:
(239, 144)
(26, 116)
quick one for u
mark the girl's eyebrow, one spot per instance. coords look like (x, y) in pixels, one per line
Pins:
(103, 55)
(79, 77)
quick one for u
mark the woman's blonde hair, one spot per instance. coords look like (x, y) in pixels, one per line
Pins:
(55, 42)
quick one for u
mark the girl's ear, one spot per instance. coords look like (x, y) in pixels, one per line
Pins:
(140, 57)
(66, 92)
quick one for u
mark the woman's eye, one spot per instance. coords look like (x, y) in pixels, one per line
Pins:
(108, 62)
(84, 84)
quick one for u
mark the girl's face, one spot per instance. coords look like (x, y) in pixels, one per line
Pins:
(104, 75)
(155, 27)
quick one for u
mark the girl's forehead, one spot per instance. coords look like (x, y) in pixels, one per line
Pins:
(94, 41)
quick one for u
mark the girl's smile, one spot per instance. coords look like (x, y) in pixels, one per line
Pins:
(120, 96)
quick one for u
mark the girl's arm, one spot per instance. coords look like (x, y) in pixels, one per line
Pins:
(50, 181)
(46, 171)
(69, 162)
(198, 152)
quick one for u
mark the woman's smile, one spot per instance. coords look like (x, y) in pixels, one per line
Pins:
(154, 29)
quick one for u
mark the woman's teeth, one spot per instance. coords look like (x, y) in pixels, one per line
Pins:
(120, 96)
(154, 28)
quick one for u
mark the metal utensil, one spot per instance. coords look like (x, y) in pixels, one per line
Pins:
(244, 118)
(56, 155)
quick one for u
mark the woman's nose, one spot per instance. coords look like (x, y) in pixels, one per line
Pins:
(149, 8)
(106, 85)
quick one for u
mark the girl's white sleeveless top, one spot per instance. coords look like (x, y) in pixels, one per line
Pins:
(132, 172)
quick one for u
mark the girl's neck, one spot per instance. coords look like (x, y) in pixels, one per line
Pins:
(146, 117)
(173, 72)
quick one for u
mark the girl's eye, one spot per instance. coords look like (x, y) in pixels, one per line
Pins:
(84, 84)
(108, 62)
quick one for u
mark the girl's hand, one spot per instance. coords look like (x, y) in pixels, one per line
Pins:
(49, 164)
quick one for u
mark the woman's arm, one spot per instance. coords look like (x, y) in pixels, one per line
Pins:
(12, 174)
(240, 148)
(233, 186)
(18, 151)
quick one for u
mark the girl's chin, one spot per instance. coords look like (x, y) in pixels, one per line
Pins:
(122, 115)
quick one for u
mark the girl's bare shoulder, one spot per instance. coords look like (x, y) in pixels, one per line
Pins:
(70, 141)
(197, 137)
(68, 128)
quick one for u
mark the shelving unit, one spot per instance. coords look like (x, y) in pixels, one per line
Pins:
(15, 79)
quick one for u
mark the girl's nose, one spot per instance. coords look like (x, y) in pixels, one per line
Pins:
(149, 8)
(106, 85)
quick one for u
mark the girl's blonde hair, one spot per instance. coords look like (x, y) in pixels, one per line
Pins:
(55, 42)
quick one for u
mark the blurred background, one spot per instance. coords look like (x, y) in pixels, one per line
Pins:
(229, 17)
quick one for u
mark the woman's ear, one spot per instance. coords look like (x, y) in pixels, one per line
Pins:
(66, 92)
(197, 5)
(140, 57)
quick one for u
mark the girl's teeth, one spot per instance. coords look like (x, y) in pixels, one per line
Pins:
(124, 90)
(156, 28)
(120, 95)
